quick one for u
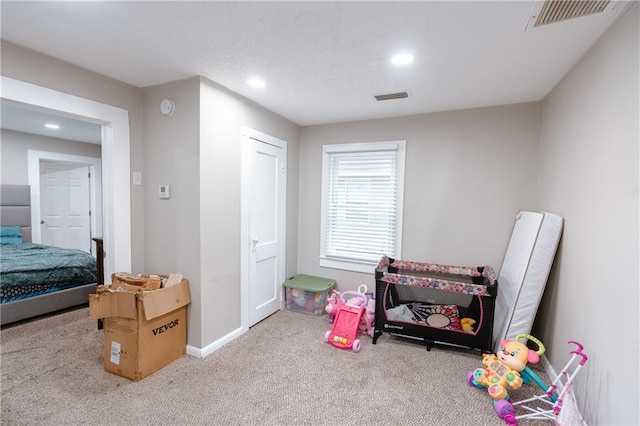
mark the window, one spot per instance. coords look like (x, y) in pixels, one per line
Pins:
(362, 193)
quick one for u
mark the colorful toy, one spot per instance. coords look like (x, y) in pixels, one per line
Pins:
(348, 297)
(298, 297)
(362, 299)
(332, 305)
(343, 334)
(367, 324)
(503, 369)
(467, 324)
(337, 299)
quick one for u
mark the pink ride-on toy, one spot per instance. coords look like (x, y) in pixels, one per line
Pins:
(344, 332)
(355, 299)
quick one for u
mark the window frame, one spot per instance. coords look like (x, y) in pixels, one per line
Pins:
(356, 265)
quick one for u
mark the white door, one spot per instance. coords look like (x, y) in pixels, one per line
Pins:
(65, 205)
(267, 194)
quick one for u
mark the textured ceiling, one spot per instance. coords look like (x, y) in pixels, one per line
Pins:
(322, 61)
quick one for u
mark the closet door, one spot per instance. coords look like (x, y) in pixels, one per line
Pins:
(266, 232)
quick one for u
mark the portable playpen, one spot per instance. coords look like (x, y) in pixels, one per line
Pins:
(436, 303)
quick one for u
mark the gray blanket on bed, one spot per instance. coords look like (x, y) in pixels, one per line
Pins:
(29, 264)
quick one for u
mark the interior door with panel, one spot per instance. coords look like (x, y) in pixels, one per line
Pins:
(65, 205)
(266, 226)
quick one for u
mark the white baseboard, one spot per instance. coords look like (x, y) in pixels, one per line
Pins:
(211, 348)
(548, 368)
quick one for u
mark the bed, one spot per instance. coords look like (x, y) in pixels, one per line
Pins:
(435, 303)
(37, 279)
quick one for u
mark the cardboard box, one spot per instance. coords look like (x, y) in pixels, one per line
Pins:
(144, 330)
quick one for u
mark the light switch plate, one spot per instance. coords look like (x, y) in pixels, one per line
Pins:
(137, 178)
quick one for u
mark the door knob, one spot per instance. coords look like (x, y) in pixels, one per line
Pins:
(41, 221)
(255, 240)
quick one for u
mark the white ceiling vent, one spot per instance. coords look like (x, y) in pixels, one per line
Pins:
(389, 96)
(550, 11)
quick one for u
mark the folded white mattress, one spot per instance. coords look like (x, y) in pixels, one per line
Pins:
(524, 273)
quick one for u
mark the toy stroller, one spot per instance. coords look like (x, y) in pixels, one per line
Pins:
(558, 402)
(346, 324)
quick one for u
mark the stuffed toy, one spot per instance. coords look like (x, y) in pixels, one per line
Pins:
(467, 324)
(332, 305)
(369, 317)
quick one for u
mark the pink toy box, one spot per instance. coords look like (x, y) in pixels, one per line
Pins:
(308, 294)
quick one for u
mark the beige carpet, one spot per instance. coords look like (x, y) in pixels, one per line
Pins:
(281, 372)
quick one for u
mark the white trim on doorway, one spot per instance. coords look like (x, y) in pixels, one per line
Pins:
(116, 188)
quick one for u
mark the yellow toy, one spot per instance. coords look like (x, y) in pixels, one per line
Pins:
(503, 368)
(467, 324)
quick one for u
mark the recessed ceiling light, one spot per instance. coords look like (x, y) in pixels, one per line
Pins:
(402, 59)
(256, 82)
(51, 126)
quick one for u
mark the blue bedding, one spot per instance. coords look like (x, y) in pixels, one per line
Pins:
(30, 269)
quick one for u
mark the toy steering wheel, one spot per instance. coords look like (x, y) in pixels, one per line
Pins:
(354, 294)
(540, 350)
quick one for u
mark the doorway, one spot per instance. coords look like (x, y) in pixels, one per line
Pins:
(264, 180)
(115, 151)
(65, 205)
(54, 159)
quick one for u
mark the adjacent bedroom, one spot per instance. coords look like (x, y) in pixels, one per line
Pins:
(51, 228)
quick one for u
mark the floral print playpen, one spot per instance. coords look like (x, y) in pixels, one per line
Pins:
(436, 303)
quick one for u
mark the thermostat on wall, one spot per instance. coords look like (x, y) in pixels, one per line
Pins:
(164, 191)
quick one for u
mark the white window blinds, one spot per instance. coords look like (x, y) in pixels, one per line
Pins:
(362, 201)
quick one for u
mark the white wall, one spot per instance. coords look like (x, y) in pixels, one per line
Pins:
(468, 173)
(15, 145)
(589, 175)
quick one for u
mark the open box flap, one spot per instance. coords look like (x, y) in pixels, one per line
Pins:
(113, 304)
(159, 302)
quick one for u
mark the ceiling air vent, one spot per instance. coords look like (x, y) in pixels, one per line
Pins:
(561, 10)
(388, 96)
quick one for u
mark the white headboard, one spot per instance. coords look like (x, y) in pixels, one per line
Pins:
(15, 208)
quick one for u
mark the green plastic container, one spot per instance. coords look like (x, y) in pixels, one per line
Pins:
(308, 294)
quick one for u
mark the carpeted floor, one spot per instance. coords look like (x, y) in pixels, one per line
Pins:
(281, 372)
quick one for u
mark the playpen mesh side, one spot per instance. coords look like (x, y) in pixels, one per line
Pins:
(431, 302)
(436, 283)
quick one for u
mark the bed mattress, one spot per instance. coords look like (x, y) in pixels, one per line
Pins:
(32, 269)
(524, 273)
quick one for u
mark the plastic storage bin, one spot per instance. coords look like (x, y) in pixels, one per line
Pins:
(308, 294)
